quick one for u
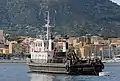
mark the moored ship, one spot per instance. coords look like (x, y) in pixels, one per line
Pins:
(51, 56)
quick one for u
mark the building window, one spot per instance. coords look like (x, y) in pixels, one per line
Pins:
(36, 44)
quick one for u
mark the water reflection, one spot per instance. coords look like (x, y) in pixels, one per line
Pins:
(41, 77)
(48, 77)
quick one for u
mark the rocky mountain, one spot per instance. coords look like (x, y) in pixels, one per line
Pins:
(69, 17)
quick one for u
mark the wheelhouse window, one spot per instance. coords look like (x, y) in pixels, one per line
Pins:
(40, 44)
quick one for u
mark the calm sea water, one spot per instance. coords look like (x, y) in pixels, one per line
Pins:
(19, 72)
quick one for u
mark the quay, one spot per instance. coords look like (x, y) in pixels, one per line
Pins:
(12, 61)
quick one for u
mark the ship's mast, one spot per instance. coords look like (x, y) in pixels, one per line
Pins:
(47, 25)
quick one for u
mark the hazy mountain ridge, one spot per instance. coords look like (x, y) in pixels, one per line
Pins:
(73, 17)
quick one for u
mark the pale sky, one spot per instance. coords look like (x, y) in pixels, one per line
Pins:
(116, 1)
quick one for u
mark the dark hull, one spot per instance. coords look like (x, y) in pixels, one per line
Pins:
(61, 68)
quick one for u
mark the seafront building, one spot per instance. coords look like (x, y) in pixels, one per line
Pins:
(94, 46)
(114, 45)
(5, 47)
(25, 45)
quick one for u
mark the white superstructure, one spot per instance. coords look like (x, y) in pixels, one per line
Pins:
(41, 50)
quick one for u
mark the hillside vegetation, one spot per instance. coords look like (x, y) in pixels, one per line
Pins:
(69, 17)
